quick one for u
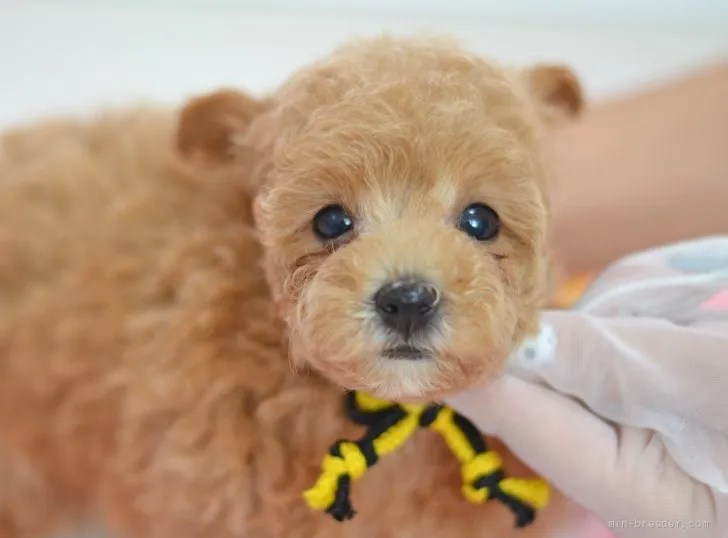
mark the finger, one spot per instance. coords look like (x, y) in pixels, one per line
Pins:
(641, 373)
(555, 436)
(617, 474)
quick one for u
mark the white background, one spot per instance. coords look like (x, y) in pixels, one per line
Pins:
(73, 56)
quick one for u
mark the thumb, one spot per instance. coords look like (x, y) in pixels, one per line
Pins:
(568, 446)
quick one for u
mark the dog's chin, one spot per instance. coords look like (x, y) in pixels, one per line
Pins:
(401, 375)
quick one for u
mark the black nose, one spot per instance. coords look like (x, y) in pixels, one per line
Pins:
(406, 306)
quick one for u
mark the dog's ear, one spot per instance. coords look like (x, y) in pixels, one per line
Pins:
(556, 89)
(212, 126)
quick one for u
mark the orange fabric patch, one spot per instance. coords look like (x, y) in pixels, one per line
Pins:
(572, 289)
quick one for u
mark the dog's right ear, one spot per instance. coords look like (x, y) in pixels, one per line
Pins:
(211, 126)
(556, 90)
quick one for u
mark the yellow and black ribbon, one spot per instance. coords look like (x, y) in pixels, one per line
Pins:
(388, 427)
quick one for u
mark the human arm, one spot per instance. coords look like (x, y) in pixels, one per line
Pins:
(644, 170)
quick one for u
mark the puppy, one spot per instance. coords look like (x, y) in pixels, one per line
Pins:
(185, 297)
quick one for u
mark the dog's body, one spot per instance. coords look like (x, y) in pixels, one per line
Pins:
(145, 374)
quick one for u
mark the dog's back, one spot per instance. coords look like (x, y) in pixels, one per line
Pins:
(103, 233)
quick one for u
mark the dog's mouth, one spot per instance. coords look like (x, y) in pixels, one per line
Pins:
(406, 352)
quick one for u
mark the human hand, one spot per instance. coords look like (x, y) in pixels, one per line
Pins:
(622, 404)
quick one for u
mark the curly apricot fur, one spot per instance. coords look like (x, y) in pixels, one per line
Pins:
(153, 309)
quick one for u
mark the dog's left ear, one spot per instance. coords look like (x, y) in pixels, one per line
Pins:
(211, 127)
(556, 90)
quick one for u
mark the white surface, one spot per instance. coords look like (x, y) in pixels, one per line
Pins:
(82, 54)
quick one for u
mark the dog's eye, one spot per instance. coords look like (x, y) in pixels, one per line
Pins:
(480, 222)
(332, 222)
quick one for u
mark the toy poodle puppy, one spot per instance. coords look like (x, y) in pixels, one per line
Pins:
(185, 297)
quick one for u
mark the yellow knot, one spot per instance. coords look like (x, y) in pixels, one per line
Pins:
(482, 465)
(351, 463)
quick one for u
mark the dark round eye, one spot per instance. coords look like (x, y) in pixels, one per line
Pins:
(480, 222)
(332, 222)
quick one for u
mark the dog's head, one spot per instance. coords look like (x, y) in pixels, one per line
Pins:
(402, 202)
